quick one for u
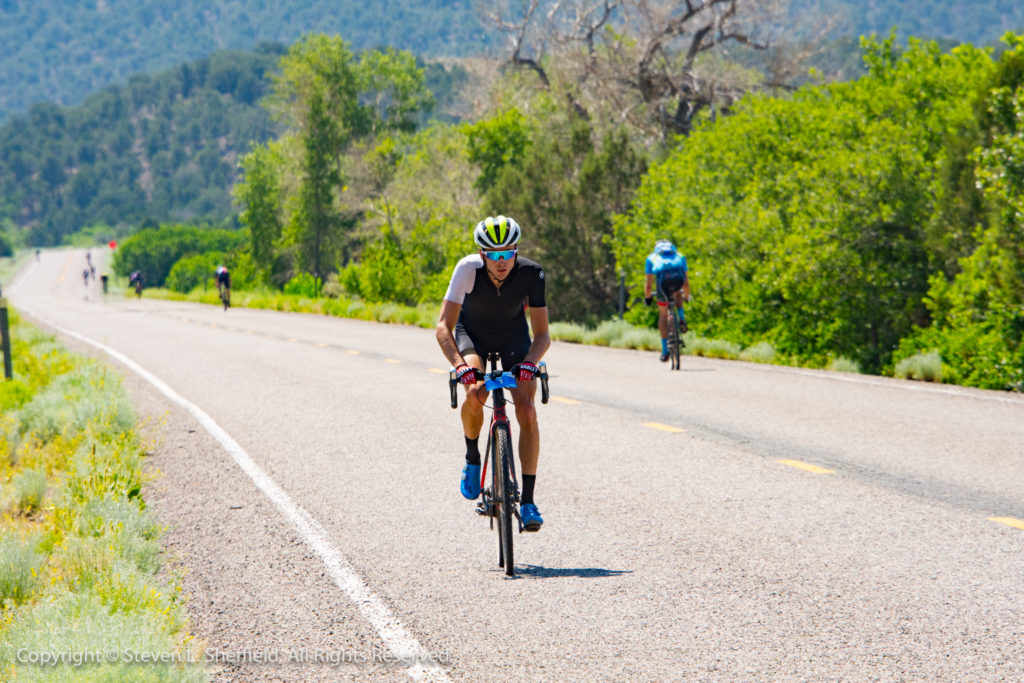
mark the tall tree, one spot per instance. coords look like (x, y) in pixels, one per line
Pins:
(327, 99)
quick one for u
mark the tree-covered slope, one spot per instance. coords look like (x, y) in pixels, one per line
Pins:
(162, 147)
(62, 51)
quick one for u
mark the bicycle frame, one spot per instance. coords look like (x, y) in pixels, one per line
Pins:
(497, 502)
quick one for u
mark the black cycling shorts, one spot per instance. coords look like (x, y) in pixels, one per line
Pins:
(669, 286)
(511, 349)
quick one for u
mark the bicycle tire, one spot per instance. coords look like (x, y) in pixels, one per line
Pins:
(673, 339)
(503, 499)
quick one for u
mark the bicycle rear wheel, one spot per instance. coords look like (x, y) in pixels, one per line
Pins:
(673, 338)
(501, 457)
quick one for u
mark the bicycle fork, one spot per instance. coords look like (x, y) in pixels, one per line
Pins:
(488, 506)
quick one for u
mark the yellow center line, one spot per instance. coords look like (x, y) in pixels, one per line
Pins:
(804, 466)
(570, 401)
(1009, 521)
(65, 271)
(293, 340)
(437, 371)
(352, 352)
(392, 360)
(213, 325)
(249, 332)
(322, 345)
(664, 428)
(184, 320)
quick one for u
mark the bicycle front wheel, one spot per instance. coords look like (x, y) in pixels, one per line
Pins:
(501, 459)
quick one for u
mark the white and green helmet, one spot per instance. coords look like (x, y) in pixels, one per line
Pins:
(497, 232)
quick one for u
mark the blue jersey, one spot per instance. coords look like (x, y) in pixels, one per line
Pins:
(666, 266)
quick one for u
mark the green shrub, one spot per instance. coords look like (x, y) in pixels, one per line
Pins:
(921, 366)
(194, 271)
(570, 332)
(303, 284)
(29, 489)
(843, 364)
(20, 562)
(607, 332)
(712, 348)
(83, 623)
(761, 352)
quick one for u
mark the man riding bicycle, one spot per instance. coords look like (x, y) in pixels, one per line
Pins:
(483, 311)
(223, 278)
(666, 274)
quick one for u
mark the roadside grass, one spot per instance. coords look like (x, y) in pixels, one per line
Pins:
(80, 563)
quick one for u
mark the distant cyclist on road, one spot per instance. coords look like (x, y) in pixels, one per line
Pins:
(483, 311)
(665, 273)
(136, 280)
(223, 278)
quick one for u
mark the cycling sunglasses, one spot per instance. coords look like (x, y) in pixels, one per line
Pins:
(500, 255)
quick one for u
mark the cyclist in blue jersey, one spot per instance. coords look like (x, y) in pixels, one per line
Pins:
(665, 274)
(484, 311)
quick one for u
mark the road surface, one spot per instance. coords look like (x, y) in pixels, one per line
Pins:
(729, 522)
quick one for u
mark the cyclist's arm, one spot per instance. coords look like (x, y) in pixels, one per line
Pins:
(541, 335)
(648, 285)
(445, 332)
(686, 288)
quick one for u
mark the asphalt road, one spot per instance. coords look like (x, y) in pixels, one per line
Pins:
(729, 522)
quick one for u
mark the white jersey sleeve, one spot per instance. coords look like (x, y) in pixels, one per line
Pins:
(463, 278)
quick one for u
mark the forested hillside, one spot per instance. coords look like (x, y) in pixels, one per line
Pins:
(60, 52)
(162, 147)
(965, 21)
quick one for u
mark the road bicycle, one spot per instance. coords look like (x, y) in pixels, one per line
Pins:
(500, 500)
(225, 297)
(675, 337)
(138, 288)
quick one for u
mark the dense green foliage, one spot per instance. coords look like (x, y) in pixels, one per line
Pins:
(978, 314)
(155, 251)
(823, 231)
(60, 52)
(296, 190)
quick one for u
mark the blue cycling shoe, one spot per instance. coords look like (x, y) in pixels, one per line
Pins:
(531, 517)
(470, 485)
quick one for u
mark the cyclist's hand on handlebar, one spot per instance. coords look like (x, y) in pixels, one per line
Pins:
(526, 371)
(464, 374)
(648, 300)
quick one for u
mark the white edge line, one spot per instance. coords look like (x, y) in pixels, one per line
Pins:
(402, 644)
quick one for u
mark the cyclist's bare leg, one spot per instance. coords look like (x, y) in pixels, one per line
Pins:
(663, 320)
(529, 433)
(473, 406)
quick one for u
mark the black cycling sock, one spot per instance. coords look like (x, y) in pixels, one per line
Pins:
(528, 481)
(472, 451)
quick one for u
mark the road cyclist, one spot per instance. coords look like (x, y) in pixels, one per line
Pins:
(666, 275)
(483, 312)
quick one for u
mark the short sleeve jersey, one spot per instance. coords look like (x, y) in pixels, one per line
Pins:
(491, 311)
(656, 264)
